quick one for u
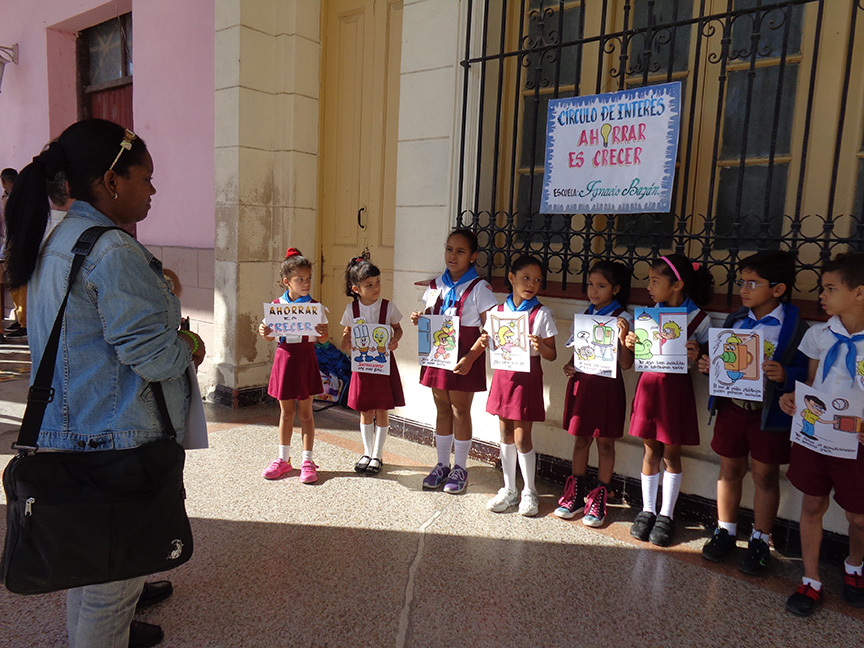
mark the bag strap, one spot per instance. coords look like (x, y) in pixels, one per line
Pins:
(41, 392)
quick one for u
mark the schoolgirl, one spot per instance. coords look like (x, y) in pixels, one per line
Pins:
(594, 406)
(664, 406)
(515, 397)
(373, 395)
(458, 292)
(295, 377)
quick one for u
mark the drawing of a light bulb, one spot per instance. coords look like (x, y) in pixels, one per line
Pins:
(605, 129)
(361, 340)
(379, 335)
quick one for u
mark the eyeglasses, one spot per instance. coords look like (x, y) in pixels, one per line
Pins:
(752, 285)
(125, 145)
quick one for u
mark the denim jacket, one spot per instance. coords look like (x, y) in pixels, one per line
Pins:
(119, 334)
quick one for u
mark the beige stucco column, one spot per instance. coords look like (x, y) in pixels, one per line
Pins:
(267, 85)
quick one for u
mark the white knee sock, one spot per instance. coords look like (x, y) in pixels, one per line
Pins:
(650, 484)
(444, 444)
(508, 465)
(528, 466)
(285, 453)
(366, 432)
(671, 488)
(461, 452)
(380, 437)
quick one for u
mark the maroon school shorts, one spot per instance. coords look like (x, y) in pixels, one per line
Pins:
(738, 432)
(816, 474)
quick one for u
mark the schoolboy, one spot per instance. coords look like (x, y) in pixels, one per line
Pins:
(758, 430)
(834, 349)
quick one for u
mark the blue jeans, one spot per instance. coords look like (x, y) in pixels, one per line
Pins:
(98, 616)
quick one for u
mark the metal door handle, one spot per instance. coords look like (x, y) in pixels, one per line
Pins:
(360, 218)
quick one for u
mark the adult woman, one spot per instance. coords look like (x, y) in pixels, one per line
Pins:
(120, 330)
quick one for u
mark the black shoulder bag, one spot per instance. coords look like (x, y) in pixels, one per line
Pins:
(84, 518)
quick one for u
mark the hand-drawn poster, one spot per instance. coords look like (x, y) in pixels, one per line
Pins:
(612, 153)
(828, 423)
(661, 345)
(369, 352)
(736, 363)
(595, 345)
(508, 341)
(438, 341)
(293, 319)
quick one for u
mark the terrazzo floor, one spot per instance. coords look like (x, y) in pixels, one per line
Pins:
(376, 561)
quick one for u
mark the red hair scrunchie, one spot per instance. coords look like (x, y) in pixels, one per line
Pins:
(292, 252)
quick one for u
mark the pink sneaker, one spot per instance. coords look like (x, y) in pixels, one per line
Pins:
(308, 473)
(276, 469)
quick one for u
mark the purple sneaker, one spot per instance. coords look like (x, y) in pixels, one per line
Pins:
(436, 478)
(457, 480)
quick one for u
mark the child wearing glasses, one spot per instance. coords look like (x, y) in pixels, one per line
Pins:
(751, 429)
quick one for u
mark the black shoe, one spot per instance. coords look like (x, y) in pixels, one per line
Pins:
(755, 561)
(642, 525)
(719, 546)
(661, 534)
(144, 635)
(853, 590)
(19, 332)
(154, 592)
(14, 326)
(804, 601)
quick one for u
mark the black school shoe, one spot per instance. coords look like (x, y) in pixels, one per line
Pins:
(661, 534)
(719, 546)
(804, 601)
(853, 590)
(755, 561)
(144, 635)
(642, 525)
(154, 592)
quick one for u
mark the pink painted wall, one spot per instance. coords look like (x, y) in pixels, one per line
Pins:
(173, 72)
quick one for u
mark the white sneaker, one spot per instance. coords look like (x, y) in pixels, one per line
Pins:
(530, 504)
(504, 500)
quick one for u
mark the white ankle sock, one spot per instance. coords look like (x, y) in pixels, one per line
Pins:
(508, 465)
(650, 484)
(758, 535)
(816, 585)
(671, 488)
(366, 432)
(285, 453)
(380, 437)
(307, 455)
(444, 444)
(528, 466)
(460, 452)
(731, 527)
(852, 570)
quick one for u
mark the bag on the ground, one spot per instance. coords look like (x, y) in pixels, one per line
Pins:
(335, 368)
(84, 518)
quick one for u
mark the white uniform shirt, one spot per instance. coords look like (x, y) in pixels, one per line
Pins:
(815, 345)
(479, 300)
(371, 314)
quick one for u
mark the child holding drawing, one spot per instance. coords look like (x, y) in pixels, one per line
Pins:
(295, 378)
(373, 395)
(834, 349)
(594, 405)
(458, 292)
(664, 406)
(516, 397)
(757, 429)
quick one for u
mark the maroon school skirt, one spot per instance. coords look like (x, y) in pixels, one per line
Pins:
(295, 374)
(475, 381)
(664, 409)
(594, 406)
(518, 395)
(376, 391)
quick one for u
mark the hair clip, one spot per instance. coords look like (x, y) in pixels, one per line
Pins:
(125, 145)
(696, 265)
(291, 252)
